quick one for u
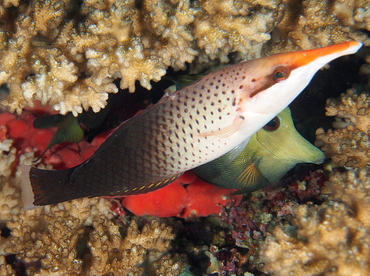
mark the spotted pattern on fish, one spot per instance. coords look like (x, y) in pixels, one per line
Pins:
(189, 128)
(155, 147)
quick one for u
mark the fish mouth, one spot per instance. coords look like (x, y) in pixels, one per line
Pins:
(321, 160)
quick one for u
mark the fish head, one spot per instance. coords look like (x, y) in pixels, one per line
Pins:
(272, 83)
(281, 139)
(279, 147)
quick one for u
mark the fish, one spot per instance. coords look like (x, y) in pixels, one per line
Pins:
(180, 81)
(69, 129)
(270, 153)
(189, 128)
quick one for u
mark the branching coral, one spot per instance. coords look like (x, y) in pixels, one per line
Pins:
(111, 252)
(309, 24)
(10, 203)
(80, 237)
(234, 26)
(331, 239)
(6, 269)
(349, 144)
(352, 188)
(68, 54)
(71, 65)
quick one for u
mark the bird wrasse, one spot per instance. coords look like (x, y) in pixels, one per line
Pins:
(270, 153)
(189, 128)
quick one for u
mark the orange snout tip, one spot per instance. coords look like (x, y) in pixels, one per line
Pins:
(349, 47)
(301, 58)
(354, 44)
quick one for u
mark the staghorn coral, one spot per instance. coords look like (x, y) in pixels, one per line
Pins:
(80, 238)
(310, 24)
(349, 144)
(67, 54)
(331, 239)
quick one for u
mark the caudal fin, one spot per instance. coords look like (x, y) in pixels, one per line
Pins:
(43, 187)
(26, 188)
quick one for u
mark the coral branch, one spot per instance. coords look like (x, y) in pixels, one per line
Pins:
(331, 239)
(67, 54)
(349, 143)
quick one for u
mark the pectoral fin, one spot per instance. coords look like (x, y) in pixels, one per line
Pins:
(249, 176)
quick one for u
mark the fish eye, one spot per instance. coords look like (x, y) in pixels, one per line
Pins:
(280, 73)
(274, 124)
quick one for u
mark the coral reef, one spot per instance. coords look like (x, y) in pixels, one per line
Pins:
(67, 54)
(349, 143)
(352, 188)
(53, 57)
(25, 138)
(6, 269)
(328, 239)
(71, 55)
(74, 238)
(234, 26)
(80, 238)
(9, 191)
(10, 202)
(243, 229)
(309, 23)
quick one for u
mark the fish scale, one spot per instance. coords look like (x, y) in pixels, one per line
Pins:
(189, 128)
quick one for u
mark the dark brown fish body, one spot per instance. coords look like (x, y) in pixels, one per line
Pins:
(193, 126)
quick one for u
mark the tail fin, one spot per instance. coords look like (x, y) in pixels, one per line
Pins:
(27, 193)
(43, 187)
